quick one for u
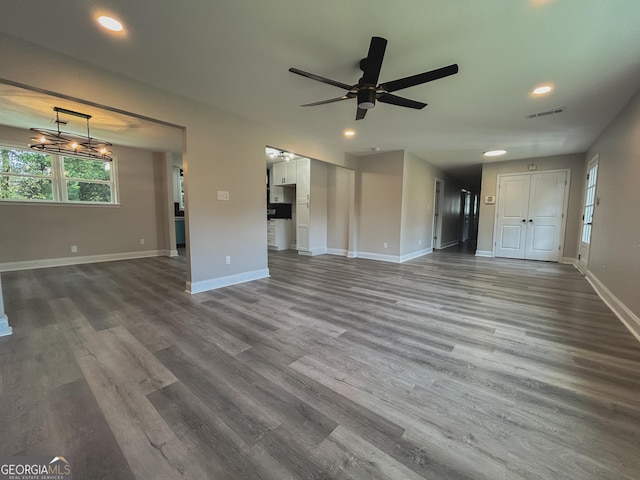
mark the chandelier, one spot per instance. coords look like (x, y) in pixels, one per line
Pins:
(279, 154)
(57, 141)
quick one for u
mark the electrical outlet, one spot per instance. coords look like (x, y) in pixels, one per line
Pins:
(227, 260)
(223, 195)
(74, 249)
(142, 241)
(385, 244)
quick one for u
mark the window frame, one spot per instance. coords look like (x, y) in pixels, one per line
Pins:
(60, 192)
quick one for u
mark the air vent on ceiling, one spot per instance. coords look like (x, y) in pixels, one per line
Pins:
(548, 112)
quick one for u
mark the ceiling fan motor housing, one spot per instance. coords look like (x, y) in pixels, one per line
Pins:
(366, 98)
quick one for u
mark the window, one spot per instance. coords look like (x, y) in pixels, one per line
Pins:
(589, 203)
(27, 175)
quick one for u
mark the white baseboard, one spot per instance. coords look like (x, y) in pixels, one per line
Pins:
(214, 283)
(416, 254)
(570, 261)
(64, 261)
(379, 256)
(352, 254)
(626, 316)
(337, 251)
(172, 253)
(313, 252)
(484, 253)
(453, 243)
(5, 329)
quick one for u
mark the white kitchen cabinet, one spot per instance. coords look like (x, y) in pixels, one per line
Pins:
(279, 233)
(311, 207)
(284, 173)
(303, 188)
(278, 193)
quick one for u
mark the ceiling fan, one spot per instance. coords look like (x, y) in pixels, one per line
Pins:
(367, 90)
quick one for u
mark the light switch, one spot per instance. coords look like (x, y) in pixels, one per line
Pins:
(223, 195)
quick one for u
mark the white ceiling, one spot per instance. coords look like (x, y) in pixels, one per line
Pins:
(236, 54)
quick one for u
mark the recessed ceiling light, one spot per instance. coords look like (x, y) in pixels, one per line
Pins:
(110, 23)
(494, 153)
(542, 89)
(349, 133)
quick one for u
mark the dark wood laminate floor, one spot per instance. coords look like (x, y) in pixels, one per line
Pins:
(443, 368)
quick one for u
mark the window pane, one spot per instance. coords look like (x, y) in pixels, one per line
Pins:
(25, 188)
(86, 169)
(586, 233)
(88, 192)
(26, 163)
(588, 214)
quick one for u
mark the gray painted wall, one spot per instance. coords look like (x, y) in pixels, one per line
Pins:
(45, 231)
(615, 242)
(379, 202)
(338, 203)
(222, 151)
(418, 203)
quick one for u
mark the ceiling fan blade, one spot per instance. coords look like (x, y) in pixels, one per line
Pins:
(318, 78)
(331, 100)
(413, 80)
(400, 101)
(360, 114)
(373, 63)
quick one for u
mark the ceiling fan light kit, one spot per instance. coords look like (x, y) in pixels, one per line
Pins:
(366, 98)
(367, 90)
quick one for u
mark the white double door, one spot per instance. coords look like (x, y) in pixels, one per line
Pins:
(530, 216)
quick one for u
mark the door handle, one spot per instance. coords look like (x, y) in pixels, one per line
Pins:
(524, 220)
(530, 221)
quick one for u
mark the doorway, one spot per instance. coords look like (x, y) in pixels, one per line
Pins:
(531, 215)
(465, 215)
(437, 213)
(590, 202)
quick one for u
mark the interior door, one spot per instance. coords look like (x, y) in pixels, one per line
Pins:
(544, 222)
(587, 217)
(437, 217)
(466, 212)
(513, 208)
(530, 216)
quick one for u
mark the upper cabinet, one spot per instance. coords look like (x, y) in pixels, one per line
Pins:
(279, 193)
(284, 173)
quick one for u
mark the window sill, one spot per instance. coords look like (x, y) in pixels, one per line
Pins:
(57, 204)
